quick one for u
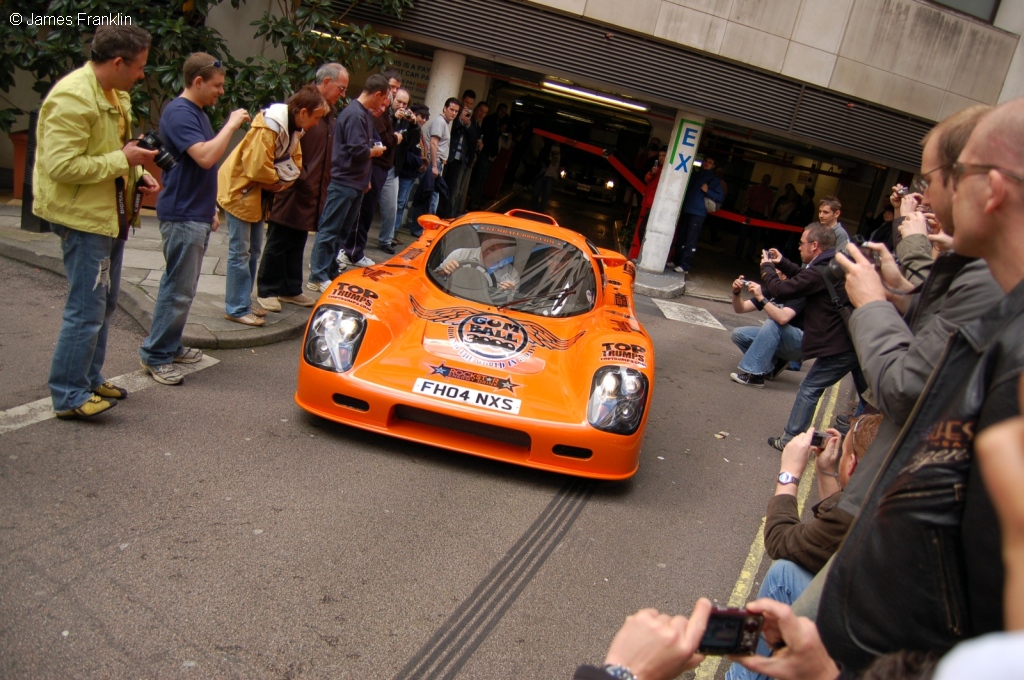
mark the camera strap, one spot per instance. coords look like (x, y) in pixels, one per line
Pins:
(843, 310)
(124, 219)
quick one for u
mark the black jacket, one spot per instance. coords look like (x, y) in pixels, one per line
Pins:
(922, 567)
(825, 331)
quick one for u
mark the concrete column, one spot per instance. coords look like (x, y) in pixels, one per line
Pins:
(445, 79)
(1010, 17)
(668, 199)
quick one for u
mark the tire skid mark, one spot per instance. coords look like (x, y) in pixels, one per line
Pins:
(456, 640)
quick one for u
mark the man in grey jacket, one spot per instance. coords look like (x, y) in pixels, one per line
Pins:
(897, 354)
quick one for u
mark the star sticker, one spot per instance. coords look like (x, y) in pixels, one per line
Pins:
(507, 384)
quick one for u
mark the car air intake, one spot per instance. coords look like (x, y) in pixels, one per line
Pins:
(501, 434)
(572, 451)
(351, 402)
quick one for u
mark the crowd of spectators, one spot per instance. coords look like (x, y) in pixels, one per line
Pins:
(910, 566)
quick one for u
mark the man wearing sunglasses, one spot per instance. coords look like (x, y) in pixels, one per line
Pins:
(187, 209)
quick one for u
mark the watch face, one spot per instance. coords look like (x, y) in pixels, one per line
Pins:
(787, 478)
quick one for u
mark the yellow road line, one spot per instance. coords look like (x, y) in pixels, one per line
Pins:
(745, 583)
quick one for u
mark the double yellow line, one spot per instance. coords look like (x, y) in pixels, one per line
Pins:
(745, 583)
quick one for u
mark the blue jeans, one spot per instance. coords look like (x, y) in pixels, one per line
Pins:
(763, 345)
(405, 186)
(184, 246)
(825, 372)
(686, 244)
(784, 582)
(341, 209)
(245, 242)
(388, 209)
(92, 263)
(435, 198)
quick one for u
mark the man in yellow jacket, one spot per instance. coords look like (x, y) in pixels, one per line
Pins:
(85, 160)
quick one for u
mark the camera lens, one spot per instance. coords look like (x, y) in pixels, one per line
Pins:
(152, 142)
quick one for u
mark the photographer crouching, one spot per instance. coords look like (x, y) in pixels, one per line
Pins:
(769, 348)
(88, 182)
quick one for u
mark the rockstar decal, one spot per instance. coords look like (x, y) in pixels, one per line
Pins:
(474, 377)
(492, 339)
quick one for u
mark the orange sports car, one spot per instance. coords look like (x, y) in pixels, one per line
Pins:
(502, 336)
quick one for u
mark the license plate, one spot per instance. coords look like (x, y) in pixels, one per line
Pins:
(583, 187)
(466, 395)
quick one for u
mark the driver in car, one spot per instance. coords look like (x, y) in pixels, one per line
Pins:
(496, 253)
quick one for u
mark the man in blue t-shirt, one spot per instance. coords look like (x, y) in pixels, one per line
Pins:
(187, 210)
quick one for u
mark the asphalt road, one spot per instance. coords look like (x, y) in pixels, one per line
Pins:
(216, 530)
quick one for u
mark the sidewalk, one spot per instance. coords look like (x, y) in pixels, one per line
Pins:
(207, 328)
(140, 279)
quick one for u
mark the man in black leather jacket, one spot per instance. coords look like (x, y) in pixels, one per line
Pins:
(825, 338)
(921, 568)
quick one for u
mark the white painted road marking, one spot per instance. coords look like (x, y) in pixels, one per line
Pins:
(38, 411)
(688, 314)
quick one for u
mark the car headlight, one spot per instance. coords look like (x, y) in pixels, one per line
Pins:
(610, 184)
(333, 339)
(618, 396)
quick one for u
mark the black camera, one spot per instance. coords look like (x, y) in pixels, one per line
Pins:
(731, 631)
(151, 142)
(835, 270)
(819, 439)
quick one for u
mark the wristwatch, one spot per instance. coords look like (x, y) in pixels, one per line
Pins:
(618, 672)
(787, 478)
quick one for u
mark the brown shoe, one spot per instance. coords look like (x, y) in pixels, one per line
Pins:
(257, 309)
(396, 241)
(249, 319)
(302, 300)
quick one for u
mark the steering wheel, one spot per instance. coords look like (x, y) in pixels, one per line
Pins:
(471, 281)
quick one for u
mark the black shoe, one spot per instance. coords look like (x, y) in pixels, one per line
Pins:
(843, 422)
(388, 248)
(749, 379)
(780, 366)
(776, 443)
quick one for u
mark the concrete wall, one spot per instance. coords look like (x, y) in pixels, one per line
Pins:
(908, 55)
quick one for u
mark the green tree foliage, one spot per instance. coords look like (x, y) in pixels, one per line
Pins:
(307, 32)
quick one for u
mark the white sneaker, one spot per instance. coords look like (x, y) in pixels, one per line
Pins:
(343, 260)
(271, 304)
(363, 262)
(318, 286)
(679, 270)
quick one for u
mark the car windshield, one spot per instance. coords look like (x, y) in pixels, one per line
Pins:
(513, 269)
